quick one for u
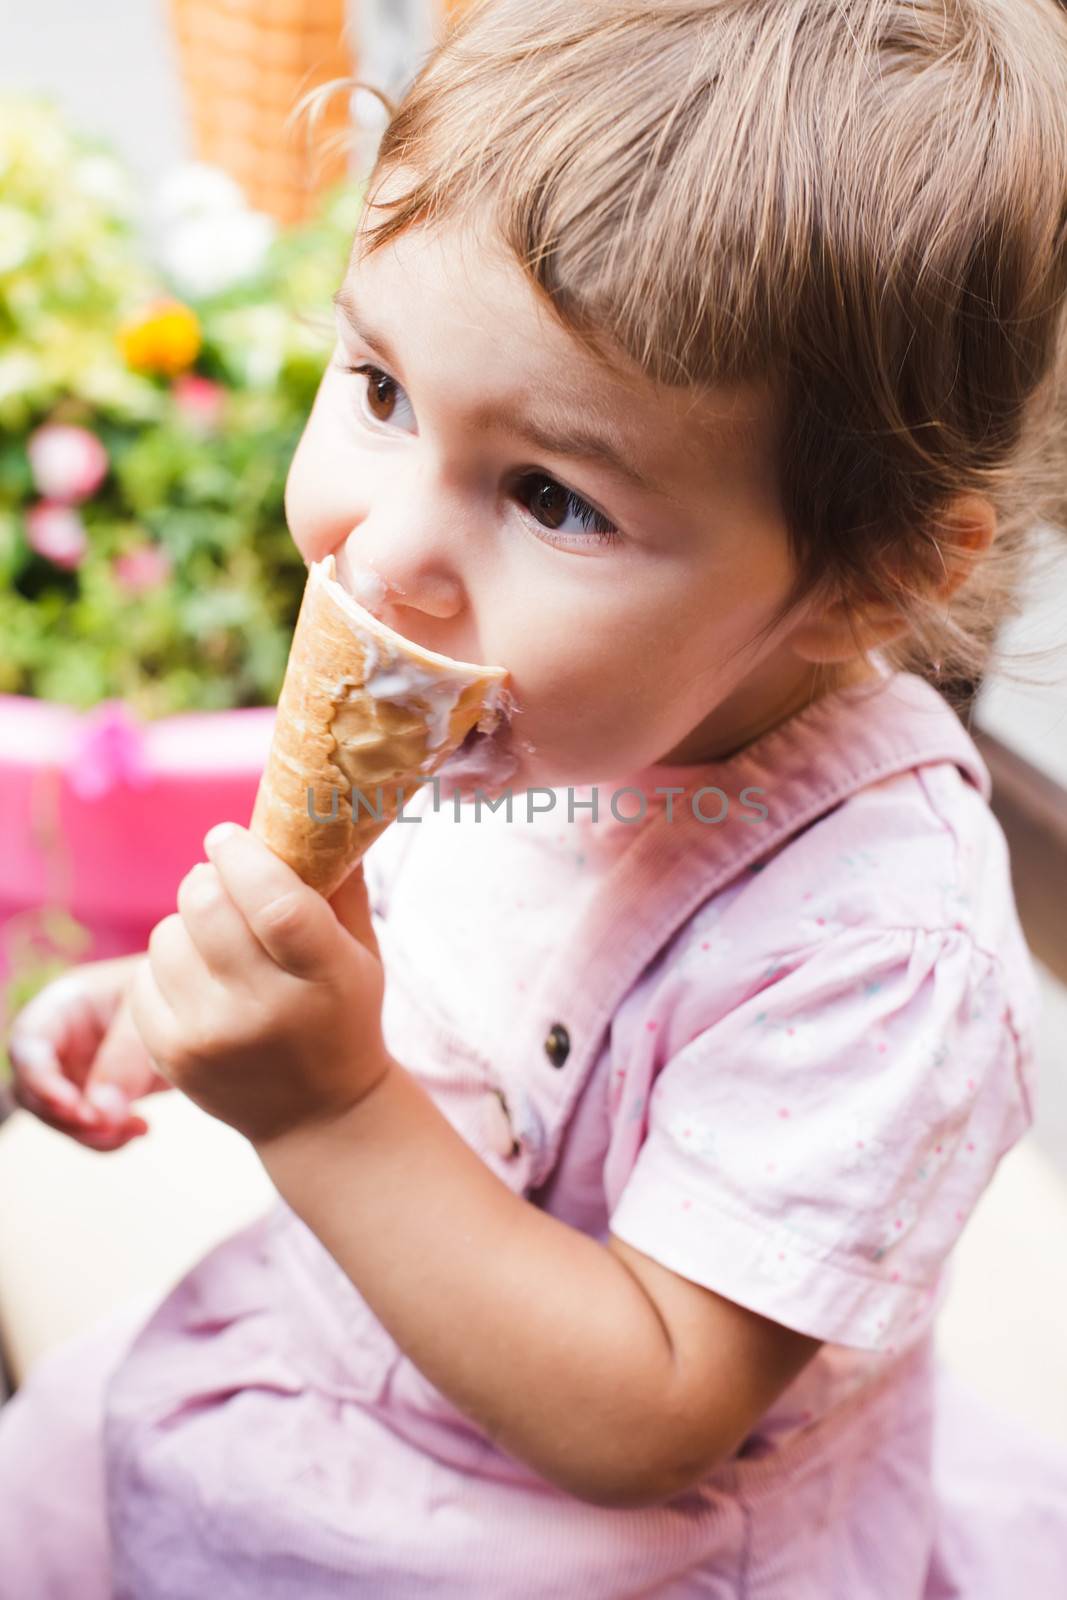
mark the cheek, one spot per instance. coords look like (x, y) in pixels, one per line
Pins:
(576, 673)
(320, 506)
(300, 511)
(755, 576)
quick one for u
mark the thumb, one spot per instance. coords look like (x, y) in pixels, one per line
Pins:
(122, 1063)
(120, 1045)
(351, 906)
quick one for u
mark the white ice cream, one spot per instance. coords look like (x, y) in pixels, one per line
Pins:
(432, 684)
(369, 589)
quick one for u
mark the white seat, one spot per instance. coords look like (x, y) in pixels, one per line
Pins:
(95, 1229)
(1003, 1325)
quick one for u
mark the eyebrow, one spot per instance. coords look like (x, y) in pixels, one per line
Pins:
(576, 442)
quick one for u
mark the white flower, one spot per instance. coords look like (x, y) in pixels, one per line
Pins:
(205, 255)
(195, 189)
(206, 238)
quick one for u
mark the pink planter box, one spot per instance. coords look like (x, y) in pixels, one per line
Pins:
(104, 815)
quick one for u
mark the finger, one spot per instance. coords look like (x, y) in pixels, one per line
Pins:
(225, 942)
(63, 1015)
(123, 1060)
(110, 1138)
(351, 906)
(181, 978)
(109, 1100)
(37, 1068)
(55, 1048)
(292, 922)
(152, 1015)
(120, 1123)
(107, 1137)
(103, 1137)
(41, 1087)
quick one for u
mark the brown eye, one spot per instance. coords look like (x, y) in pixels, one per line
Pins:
(381, 394)
(549, 504)
(552, 504)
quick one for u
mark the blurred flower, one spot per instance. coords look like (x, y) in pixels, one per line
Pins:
(195, 189)
(57, 532)
(205, 256)
(199, 401)
(32, 139)
(109, 750)
(252, 341)
(144, 568)
(19, 372)
(102, 179)
(207, 239)
(68, 464)
(164, 338)
(18, 236)
(110, 386)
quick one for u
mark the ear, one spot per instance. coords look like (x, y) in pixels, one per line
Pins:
(963, 534)
(830, 629)
(351, 906)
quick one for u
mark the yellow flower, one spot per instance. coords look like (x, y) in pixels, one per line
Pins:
(164, 338)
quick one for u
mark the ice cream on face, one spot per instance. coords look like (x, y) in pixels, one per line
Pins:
(363, 717)
(361, 581)
(369, 590)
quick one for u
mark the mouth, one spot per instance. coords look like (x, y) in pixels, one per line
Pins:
(487, 755)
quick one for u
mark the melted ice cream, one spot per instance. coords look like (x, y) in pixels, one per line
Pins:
(432, 685)
(369, 589)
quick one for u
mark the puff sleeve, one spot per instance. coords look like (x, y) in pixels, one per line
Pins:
(814, 1152)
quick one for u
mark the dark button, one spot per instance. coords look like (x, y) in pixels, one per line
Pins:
(558, 1044)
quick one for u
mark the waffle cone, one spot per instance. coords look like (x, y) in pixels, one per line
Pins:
(364, 716)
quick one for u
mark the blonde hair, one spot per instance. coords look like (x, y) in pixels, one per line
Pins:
(861, 203)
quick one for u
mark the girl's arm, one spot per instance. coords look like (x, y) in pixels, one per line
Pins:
(612, 1377)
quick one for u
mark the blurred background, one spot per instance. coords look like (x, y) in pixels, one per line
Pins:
(168, 248)
(170, 236)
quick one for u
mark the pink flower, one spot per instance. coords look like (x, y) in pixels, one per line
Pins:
(144, 568)
(68, 464)
(109, 750)
(199, 401)
(57, 532)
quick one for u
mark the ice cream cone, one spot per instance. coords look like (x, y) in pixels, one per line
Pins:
(364, 717)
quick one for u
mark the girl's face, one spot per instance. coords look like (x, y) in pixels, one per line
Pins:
(614, 545)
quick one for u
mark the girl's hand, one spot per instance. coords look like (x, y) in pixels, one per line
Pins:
(77, 1058)
(260, 1000)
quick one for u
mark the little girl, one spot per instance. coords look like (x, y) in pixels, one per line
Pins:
(699, 361)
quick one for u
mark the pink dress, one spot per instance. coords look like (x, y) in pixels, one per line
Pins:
(781, 1052)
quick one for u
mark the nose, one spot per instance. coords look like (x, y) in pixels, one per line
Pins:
(410, 563)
